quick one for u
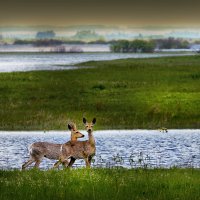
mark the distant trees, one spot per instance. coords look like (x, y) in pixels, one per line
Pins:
(1, 37)
(135, 46)
(47, 42)
(144, 46)
(22, 42)
(45, 35)
(87, 35)
(172, 43)
(197, 42)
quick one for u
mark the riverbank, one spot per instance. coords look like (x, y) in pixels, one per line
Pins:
(121, 94)
(116, 184)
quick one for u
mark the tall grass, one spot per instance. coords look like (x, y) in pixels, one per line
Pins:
(101, 184)
(121, 94)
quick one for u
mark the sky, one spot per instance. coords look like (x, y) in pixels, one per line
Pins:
(100, 12)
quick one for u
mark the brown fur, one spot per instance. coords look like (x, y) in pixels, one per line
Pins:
(39, 150)
(80, 149)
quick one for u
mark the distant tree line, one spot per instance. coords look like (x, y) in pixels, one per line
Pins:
(144, 46)
(45, 35)
(38, 43)
(87, 35)
(135, 46)
(47, 43)
(172, 43)
(125, 46)
(21, 42)
(197, 42)
(54, 42)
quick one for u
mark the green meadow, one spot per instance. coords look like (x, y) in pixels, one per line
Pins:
(122, 94)
(105, 184)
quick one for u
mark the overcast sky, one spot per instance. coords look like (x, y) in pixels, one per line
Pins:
(105, 12)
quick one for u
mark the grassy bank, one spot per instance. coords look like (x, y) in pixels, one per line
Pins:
(121, 94)
(101, 184)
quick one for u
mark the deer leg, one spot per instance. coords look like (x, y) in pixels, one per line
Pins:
(71, 162)
(26, 164)
(56, 165)
(61, 160)
(87, 162)
(37, 163)
(65, 163)
(90, 159)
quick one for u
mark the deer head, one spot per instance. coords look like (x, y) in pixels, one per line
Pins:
(75, 134)
(89, 125)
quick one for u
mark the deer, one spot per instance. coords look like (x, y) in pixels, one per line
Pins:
(79, 149)
(39, 150)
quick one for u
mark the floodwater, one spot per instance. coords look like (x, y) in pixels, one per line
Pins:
(126, 148)
(13, 62)
(75, 47)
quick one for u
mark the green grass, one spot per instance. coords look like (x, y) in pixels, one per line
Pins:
(96, 184)
(121, 94)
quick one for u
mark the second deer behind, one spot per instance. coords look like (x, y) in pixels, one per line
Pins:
(80, 149)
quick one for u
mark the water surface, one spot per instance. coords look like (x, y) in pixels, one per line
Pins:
(127, 148)
(12, 62)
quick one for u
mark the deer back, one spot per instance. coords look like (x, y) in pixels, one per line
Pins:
(45, 149)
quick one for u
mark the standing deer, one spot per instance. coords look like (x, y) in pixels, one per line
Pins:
(80, 149)
(39, 150)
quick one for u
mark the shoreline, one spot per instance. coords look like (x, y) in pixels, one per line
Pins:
(100, 131)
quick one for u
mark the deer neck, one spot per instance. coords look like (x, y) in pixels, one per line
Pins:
(91, 139)
(73, 139)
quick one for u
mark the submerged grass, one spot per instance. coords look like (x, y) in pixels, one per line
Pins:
(121, 94)
(101, 184)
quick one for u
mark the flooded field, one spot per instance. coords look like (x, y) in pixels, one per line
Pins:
(75, 47)
(126, 148)
(12, 62)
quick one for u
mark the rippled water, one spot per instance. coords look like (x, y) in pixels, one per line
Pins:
(127, 148)
(10, 62)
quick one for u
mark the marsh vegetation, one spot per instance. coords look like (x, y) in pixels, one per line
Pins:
(122, 94)
(116, 184)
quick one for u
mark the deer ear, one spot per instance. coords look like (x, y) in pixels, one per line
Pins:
(69, 127)
(84, 120)
(94, 121)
